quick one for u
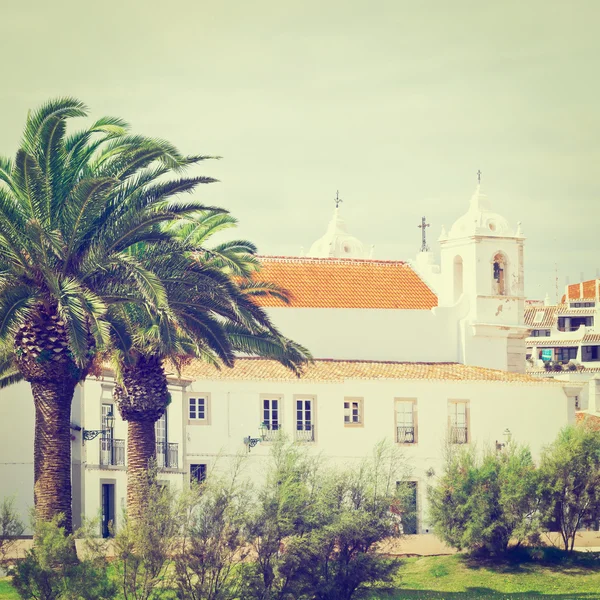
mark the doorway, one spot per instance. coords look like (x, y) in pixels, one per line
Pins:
(108, 509)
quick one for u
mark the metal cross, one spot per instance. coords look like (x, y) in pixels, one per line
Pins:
(337, 199)
(422, 227)
(479, 176)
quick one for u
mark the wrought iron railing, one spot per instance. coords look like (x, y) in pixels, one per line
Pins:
(271, 433)
(305, 432)
(459, 434)
(405, 435)
(112, 452)
(167, 455)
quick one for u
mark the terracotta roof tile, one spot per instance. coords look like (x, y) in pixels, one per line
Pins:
(591, 338)
(339, 370)
(346, 283)
(540, 317)
(591, 420)
(589, 291)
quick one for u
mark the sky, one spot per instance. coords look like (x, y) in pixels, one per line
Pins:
(396, 104)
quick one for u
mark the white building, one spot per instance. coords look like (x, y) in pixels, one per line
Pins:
(415, 353)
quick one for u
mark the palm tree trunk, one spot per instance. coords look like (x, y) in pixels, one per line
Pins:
(141, 454)
(52, 450)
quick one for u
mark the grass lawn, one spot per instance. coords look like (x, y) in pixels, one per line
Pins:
(7, 591)
(450, 577)
(552, 575)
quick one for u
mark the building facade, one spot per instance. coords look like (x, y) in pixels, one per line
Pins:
(419, 354)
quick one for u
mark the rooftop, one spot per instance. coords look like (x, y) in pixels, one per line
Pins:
(346, 283)
(329, 370)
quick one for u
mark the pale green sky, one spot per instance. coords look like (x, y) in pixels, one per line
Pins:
(394, 103)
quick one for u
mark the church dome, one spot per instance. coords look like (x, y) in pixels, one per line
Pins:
(337, 242)
(480, 219)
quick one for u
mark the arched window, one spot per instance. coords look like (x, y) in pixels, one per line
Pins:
(458, 277)
(499, 273)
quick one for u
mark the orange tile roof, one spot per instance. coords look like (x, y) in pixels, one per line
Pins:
(592, 420)
(589, 291)
(329, 370)
(591, 338)
(346, 283)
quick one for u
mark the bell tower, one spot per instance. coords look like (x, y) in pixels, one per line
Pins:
(482, 274)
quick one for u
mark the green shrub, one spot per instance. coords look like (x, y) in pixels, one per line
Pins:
(481, 503)
(51, 570)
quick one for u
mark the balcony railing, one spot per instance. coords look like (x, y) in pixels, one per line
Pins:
(405, 435)
(305, 432)
(271, 433)
(112, 452)
(458, 434)
(167, 455)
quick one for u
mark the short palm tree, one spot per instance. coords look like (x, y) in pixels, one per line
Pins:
(208, 317)
(71, 206)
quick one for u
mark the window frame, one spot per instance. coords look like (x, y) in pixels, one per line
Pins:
(313, 412)
(199, 481)
(207, 408)
(452, 404)
(361, 411)
(271, 397)
(415, 420)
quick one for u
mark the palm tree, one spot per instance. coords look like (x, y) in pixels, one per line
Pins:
(71, 207)
(208, 317)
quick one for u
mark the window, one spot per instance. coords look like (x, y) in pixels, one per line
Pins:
(353, 409)
(566, 354)
(499, 275)
(198, 409)
(305, 428)
(160, 429)
(197, 473)
(582, 304)
(271, 417)
(591, 353)
(540, 333)
(458, 421)
(406, 426)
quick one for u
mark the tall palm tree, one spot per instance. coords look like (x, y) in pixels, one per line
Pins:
(209, 318)
(71, 206)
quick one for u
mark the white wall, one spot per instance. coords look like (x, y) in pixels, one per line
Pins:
(372, 334)
(533, 413)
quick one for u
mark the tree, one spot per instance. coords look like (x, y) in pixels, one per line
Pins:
(70, 208)
(482, 502)
(570, 480)
(208, 316)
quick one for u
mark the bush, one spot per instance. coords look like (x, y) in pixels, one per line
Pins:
(51, 570)
(215, 542)
(144, 548)
(315, 530)
(11, 528)
(483, 503)
(570, 481)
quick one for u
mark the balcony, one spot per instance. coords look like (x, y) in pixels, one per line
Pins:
(305, 432)
(405, 435)
(167, 455)
(112, 452)
(459, 434)
(271, 432)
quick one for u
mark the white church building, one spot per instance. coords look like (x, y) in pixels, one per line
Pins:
(413, 352)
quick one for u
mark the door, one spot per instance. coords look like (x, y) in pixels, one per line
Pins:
(108, 508)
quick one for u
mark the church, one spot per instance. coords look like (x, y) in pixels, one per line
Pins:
(419, 354)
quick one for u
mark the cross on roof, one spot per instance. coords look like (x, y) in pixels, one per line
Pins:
(422, 227)
(337, 199)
